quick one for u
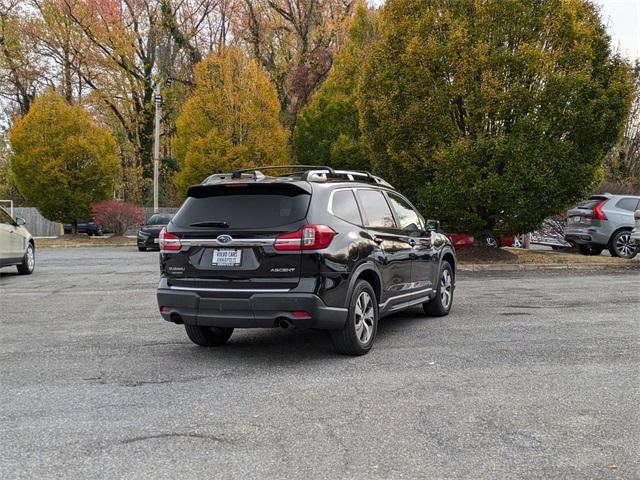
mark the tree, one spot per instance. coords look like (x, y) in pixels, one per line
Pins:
(230, 122)
(294, 40)
(623, 166)
(492, 115)
(62, 161)
(328, 131)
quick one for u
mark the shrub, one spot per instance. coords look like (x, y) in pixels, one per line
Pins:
(117, 217)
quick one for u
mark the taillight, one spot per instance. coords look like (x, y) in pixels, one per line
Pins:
(168, 241)
(309, 237)
(597, 213)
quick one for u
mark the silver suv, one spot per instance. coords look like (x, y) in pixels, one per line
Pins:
(603, 221)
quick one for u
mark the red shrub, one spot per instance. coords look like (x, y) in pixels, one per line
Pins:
(117, 217)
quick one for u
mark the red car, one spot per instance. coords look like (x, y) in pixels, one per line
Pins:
(464, 240)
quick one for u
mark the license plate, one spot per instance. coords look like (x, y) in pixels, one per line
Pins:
(226, 257)
(574, 219)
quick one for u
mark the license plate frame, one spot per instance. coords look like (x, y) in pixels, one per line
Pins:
(221, 257)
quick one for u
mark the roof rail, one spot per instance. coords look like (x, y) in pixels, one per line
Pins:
(259, 170)
(309, 173)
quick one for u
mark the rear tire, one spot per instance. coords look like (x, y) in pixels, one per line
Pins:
(621, 246)
(359, 332)
(28, 261)
(142, 249)
(440, 305)
(590, 250)
(208, 336)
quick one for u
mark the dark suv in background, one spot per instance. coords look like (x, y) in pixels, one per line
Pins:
(314, 247)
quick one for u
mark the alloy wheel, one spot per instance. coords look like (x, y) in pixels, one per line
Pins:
(624, 247)
(365, 315)
(446, 288)
(31, 258)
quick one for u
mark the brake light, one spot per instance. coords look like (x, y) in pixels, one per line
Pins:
(168, 241)
(597, 213)
(309, 237)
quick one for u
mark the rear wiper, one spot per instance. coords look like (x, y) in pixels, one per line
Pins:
(210, 224)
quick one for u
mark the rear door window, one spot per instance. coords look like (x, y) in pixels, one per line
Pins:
(375, 208)
(630, 204)
(242, 210)
(344, 206)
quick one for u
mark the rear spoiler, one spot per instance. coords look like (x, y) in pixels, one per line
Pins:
(249, 188)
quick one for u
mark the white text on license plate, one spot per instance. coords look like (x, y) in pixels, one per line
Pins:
(226, 257)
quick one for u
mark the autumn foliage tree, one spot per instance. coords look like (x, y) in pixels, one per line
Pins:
(231, 121)
(492, 115)
(328, 131)
(62, 161)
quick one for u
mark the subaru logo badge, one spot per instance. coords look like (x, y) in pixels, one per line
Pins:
(224, 238)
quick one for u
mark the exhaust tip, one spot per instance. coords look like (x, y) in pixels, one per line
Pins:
(177, 319)
(284, 323)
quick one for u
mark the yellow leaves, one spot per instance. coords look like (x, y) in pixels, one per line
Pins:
(230, 122)
(62, 160)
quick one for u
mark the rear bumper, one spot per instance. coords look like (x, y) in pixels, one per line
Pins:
(147, 241)
(585, 236)
(259, 310)
(635, 236)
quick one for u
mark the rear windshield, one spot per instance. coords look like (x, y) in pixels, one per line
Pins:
(159, 219)
(591, 203)
(243, 211)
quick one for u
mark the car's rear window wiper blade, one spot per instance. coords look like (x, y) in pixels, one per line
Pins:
(210, 224)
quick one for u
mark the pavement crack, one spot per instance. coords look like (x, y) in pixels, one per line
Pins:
(200, 436)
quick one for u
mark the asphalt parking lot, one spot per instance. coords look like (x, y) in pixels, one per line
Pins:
(531, 376)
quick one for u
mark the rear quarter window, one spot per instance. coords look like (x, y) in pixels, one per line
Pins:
(630, 204)
(345, 207)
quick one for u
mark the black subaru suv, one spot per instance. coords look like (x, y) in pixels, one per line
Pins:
(314, 247)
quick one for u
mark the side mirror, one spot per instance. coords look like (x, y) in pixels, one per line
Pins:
(433, 225)
(20, 221)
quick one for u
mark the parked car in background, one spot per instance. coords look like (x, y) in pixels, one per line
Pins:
(87, 225)
(318, 248)
(551, 233)
(635, 234)
(464, 240)
(149, 232)
(16, 244)
(603, 221)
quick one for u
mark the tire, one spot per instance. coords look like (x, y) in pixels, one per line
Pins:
(590, 250)
(28, 261)
(208, 336)
(492, 242)
(142, 249)
(621, 246)
(359, 332)
(440, 305)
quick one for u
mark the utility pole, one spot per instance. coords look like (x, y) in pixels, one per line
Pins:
(156, 147)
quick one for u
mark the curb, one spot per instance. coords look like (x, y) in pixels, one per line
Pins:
(537, 267)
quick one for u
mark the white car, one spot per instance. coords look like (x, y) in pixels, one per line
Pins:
(16, 244)
(635, 234)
